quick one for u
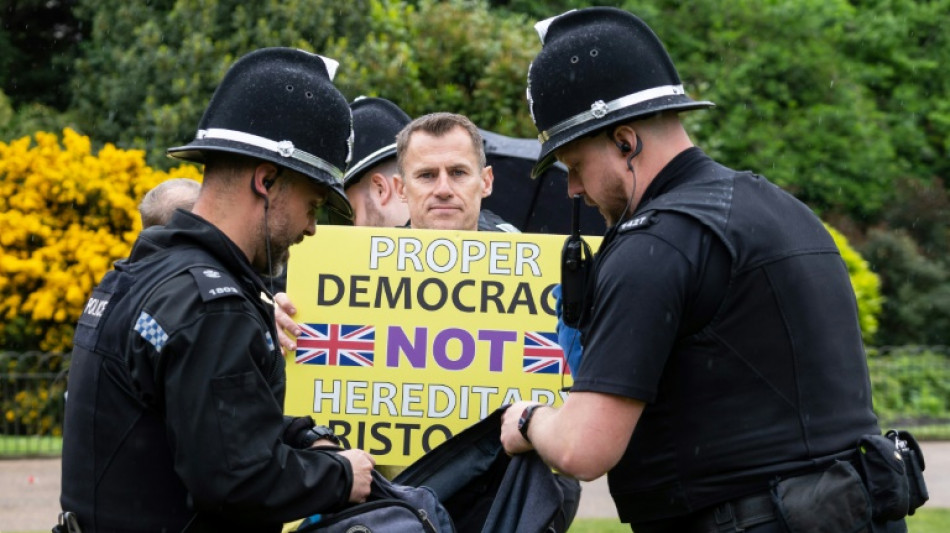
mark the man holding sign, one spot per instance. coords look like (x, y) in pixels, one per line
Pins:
(443, 174)
(459, 314)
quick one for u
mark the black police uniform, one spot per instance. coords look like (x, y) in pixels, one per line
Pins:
(723, 303)
(175, 398)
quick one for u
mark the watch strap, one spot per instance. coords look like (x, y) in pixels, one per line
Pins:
(525, 420)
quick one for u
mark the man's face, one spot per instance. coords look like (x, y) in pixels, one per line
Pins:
(292, 216)
(593, 171)
(443, 181)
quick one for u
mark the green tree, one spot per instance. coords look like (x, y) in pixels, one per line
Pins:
(148, 70)
(904, 47)
(917, 290)
(37, 47)
(789, 102)
(444, 56)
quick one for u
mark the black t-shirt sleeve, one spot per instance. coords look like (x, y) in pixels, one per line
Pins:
(646, 291)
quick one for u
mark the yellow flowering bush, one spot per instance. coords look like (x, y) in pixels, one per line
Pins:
(866, 285)
(66, 215)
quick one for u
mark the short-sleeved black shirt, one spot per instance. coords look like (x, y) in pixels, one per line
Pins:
(653, 284)
(724, 305)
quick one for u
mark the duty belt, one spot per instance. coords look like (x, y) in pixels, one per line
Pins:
(736, 515)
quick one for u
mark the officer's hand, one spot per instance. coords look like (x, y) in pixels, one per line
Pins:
(283, 313)
(511, 437)
(361, 463)
(567, 337)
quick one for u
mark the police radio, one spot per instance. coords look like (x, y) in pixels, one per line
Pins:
(575, 265)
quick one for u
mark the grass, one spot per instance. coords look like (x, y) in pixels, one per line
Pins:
(925, 432)
(924, 521)
(25, 445)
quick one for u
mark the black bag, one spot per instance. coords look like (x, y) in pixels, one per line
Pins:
(485, 490)
(390, 508)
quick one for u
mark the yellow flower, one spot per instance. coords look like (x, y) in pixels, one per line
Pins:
(66, 214)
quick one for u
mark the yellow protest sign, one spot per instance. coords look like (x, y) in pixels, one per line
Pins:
(413, 335)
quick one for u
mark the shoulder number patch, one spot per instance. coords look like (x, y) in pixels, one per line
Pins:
(213, 283)
(639, 222)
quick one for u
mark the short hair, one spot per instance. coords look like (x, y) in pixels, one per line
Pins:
(437, 125)
(159, 203)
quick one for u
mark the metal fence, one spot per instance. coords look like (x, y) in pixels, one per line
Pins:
(32, 387)
(911, 387)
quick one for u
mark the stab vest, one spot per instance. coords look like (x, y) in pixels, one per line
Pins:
(776, 383)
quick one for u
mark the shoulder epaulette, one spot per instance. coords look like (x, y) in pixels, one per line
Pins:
(213, 283)
(641, 221)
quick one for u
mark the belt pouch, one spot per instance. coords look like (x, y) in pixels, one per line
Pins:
(885, 476)
(830, 501)
(914, 466)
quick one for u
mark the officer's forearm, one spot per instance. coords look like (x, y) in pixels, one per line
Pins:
(587, 436)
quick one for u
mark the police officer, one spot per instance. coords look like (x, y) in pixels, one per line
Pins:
(722, 350)
(369, 178)
(174, 412)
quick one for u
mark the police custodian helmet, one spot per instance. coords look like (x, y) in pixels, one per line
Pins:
(280, 105)
(598, 66)
(376, 121)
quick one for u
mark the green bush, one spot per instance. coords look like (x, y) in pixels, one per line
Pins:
(910, 386)
(916, 287)
(29, 118)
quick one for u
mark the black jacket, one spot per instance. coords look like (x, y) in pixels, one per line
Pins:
(175, 397)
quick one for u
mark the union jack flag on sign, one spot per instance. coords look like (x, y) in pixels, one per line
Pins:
(542, 354)
(336, 345)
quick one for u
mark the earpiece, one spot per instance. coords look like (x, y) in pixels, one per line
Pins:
(624, 147)
(257, 192)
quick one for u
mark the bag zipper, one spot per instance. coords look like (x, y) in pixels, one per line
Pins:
(363, 508)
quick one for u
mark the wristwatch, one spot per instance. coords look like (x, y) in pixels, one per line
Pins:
(525, 420)
(316, 433)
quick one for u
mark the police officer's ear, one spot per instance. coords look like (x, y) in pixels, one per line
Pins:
(623, 136)
(263, 179)
(381, 187)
